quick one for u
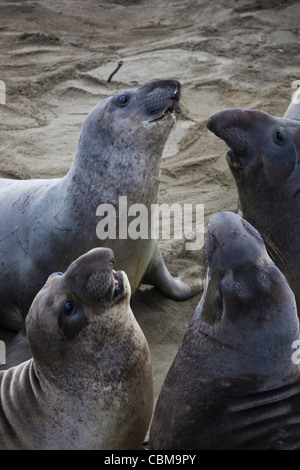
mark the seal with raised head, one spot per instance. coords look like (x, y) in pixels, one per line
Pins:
(89, 382)
(45, 224)
(264, 158)
(233, 383)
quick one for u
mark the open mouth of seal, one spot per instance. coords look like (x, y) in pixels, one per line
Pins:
(166, 113)
(119, 285)
(238, 157)
(233, 160)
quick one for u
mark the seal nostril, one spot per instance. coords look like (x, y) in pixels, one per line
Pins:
(176, 90)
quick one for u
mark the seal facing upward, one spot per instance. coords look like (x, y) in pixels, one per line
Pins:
(46, 224)
(233, 384)
(264, 158)
(89, 383)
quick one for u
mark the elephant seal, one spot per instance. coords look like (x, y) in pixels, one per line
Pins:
(45, 224)
(233, 384)
(89, 382)
(264, 158)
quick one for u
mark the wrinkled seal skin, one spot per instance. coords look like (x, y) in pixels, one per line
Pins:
(264, 158)
(89, 383)
(45, 224)
(233, 384)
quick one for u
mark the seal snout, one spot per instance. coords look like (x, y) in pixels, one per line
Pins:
(93, 277)
(219, 123)
(210, 124)
(234, 126)
(232, 242)
(162, 99)
(175, 91)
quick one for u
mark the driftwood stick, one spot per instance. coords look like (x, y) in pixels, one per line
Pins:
(115, 71)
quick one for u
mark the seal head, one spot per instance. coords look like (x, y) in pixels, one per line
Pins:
(77, 299)
(89, 382)
(264, 158)
(259, 144)
(129, 122)
(233, 375)
(118, 158)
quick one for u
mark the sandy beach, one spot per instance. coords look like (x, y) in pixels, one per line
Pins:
(56, 58)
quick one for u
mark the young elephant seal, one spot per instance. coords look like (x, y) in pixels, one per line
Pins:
(45, 224)
(264, 158)
(89, 383)
(233, 384)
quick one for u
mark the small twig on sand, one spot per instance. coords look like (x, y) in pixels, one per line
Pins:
(115, 71)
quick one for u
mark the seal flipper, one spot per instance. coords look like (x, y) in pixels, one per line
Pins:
(157, 274)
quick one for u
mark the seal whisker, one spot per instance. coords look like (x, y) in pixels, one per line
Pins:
(273, 251)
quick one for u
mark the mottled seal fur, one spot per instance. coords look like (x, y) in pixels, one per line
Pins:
(45, 224)
(89, 383)
(264, 158)
(233, 384)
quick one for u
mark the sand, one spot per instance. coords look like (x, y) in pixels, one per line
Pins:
(56, 58)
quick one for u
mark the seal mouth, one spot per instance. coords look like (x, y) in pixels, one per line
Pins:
(169, 111)
(233, 160)
(118, 285)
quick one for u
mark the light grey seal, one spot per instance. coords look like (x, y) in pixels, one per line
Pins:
(45, 224)
(89, 382)
(234, 384)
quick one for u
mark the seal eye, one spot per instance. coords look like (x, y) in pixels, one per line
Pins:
(112, 262)
(278, 137)
(123, 100)
(68, 307)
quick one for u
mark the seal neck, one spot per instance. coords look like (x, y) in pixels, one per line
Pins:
(102, 175)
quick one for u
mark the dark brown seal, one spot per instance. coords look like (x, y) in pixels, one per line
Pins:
(233, 384)
(264, 158)
(89, 383)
